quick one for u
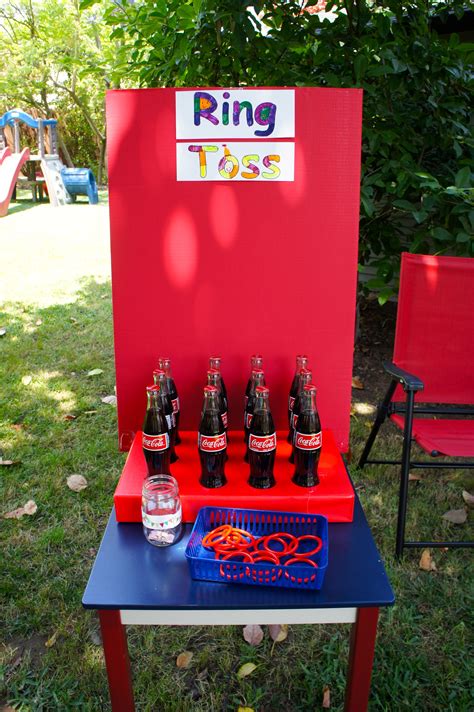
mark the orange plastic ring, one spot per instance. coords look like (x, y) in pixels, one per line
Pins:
(278, 536)
(268, 556)
(216, 535)
(294, 579)
(228, 556)
(305, 554)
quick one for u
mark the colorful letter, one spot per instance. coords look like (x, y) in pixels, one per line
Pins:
(202, 150)
(246, 160)
(275, 171)
(228, 165)
(204, 105)
(265, 114)
(238, 106)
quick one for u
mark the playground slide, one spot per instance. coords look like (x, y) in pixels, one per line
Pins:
(10, 167)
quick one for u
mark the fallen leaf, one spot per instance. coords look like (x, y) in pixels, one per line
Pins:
(3, 331)
(183, 661)
(74, 320)
(253, 634)
(468, 498)
(90, 412)
(51, 641)
(26, 380)
(357, 383)
(278, 633)
(76, 483)
(245, 670)
(326, 697)
(29, 508)
(111, 400)
(95, 372)
(38, 322)
(69, 416)
(8, 463)
(92, 552)
(245, 709)
(412, 477)
(17, 426)
(426, 562)
(455, 516)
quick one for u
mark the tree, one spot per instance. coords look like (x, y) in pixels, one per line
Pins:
(417, 145)
(57, 61)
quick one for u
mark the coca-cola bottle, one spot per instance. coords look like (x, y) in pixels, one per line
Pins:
(212, 441)
(165, 364)
(214, 379)
(215, 362)
(256, 361)
(256, 379)
(301, 362)
(308, 440)
(262, 442)
(155, 435)
(159, 378)
(305, 378)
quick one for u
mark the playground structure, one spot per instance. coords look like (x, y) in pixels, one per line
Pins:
(63, 184)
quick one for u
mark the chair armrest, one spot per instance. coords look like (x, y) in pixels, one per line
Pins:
(408, 380)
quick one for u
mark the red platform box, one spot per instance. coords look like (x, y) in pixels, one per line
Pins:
(333, 497)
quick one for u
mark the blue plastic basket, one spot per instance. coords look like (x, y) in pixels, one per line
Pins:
(205, 567)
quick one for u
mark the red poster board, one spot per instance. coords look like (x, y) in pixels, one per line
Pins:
(234, 268)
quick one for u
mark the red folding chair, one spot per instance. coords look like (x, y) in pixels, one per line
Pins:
(433, 354)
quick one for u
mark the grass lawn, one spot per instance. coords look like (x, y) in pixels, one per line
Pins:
(55, 304)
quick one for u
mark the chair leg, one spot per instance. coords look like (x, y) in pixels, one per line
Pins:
(382, 412)
(405, 471)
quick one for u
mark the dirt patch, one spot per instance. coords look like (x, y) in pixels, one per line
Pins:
(17, 648)
(374, 345)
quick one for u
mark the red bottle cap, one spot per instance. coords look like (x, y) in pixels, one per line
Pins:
(257, 370)
(261, 390)
(310, 388)
(210, 389)
(153, 389)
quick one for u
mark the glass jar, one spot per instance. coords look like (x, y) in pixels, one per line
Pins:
(161, 510)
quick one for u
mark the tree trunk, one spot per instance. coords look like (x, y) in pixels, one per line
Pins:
(101, 166)
(64, 151)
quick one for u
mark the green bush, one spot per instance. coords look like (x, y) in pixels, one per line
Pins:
(417, 142)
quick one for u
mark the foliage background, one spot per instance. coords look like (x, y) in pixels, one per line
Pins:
(417, 137)
(417, 187)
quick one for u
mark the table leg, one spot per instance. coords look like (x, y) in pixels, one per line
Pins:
(361, 657)
(117, 662)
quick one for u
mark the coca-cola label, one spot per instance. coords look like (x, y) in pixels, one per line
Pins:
(224, 419)
(175, 404)
(308, 441)
(155, 442)
(291, 402)
(295, 420)
(262, 443)
(212, 443)
(248, 417)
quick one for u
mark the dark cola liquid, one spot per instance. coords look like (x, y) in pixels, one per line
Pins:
(261, 463)
(154, 428)
(167, 408)
(307, 449)
(212, 433)
(173, 392)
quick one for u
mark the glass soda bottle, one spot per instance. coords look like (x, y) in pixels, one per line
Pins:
(212, 441)
(305, 378)
(159, 378)
(308, 441)
(215, 362)
(155, 435)
(256, 361)
(262, 442)
(301, 362)
(214, 379)
(164, 363)
(257, 379)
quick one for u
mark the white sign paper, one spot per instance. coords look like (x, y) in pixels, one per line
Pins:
(235, 113)
(248, 161)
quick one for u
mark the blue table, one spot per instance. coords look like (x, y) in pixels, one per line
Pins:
(133, 582)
